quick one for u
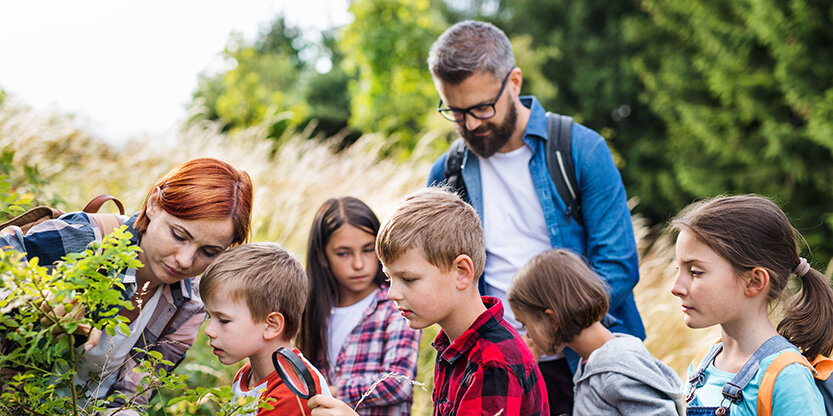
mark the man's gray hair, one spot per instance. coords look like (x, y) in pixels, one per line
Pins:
(469, 47)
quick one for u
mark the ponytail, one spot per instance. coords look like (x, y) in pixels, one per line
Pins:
(808, 320)
(750, 231)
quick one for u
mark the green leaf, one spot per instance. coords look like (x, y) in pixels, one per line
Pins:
(124, 328)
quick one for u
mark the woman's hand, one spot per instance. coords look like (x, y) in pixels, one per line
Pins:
(93, 339)
(328, 406)
(59, 313)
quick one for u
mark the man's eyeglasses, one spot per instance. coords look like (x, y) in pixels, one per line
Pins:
(480, 111)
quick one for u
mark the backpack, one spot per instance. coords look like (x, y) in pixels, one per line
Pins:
(559, 161)
(105, 222)
(821, 367)
(37, 215)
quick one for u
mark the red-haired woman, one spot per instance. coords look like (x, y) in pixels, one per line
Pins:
(193, 214)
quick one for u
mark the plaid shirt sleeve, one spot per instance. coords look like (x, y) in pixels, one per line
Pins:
(51, 240)
(384, 344)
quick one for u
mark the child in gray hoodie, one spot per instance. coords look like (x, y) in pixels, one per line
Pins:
(561, 302)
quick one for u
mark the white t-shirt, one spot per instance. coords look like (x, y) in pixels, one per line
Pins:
(342, 322)
(513, 221)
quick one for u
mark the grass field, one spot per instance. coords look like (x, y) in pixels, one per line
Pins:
(289, 186)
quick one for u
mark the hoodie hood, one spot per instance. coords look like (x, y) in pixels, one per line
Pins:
(627, 356)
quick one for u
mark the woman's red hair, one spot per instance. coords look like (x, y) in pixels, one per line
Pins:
(205, 188)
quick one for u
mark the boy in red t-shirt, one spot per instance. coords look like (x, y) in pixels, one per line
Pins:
(254, 295)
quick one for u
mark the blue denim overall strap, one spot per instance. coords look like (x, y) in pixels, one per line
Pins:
(698, 379)
(706, 411)
(732, 389)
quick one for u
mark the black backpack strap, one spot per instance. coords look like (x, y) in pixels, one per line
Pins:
(453, 170)
(560, 163)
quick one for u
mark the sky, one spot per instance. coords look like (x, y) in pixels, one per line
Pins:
(127, 68)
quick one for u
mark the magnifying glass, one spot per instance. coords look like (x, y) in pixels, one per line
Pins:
(294, 373)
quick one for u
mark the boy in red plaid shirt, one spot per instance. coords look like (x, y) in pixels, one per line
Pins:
(431, 247)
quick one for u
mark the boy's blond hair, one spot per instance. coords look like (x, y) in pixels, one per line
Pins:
(265, 276)
(436, 222)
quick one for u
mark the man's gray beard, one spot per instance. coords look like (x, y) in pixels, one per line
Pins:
(486, 146)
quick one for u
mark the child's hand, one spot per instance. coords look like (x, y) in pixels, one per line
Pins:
(333, 390)
(328, 406)
(536, 352)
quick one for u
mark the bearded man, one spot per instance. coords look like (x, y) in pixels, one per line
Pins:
(507, 181)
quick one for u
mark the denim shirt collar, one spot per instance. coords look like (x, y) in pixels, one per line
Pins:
(536, 127)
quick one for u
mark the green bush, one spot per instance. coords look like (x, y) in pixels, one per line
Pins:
(40, 343)
(747, 99)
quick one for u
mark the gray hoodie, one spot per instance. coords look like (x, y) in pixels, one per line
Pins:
(623, 378)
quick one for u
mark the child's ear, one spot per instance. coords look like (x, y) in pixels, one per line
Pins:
(274, 326)
(551, 315)
(464, 268)
(757, 281)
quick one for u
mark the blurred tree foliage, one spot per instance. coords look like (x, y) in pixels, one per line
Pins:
(695, 98)
(386, 47)
(578, 63)
(273, 79)
(746, 92)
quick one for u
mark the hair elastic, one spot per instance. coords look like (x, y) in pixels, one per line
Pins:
(802, 268)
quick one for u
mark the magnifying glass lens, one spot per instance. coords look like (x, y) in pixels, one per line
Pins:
(294, 373)
(293, 376)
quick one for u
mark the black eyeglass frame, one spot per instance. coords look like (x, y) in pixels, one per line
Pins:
(450, 110)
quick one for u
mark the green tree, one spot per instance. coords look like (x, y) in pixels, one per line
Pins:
(272, 79)
(747, 95)
(327, 93)
(386, 48)
(577, 62)
(263, 84)
(40, 343)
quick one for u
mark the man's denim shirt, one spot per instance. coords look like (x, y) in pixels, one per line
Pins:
(606, 241)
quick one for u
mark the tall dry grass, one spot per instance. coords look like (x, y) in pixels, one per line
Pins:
(289, 187)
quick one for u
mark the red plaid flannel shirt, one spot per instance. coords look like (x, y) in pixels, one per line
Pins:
(382, 342)
(487, 370)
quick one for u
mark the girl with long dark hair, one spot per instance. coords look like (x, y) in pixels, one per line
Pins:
(349, 329)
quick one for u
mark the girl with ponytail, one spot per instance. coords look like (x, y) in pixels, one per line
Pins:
(736, 256)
